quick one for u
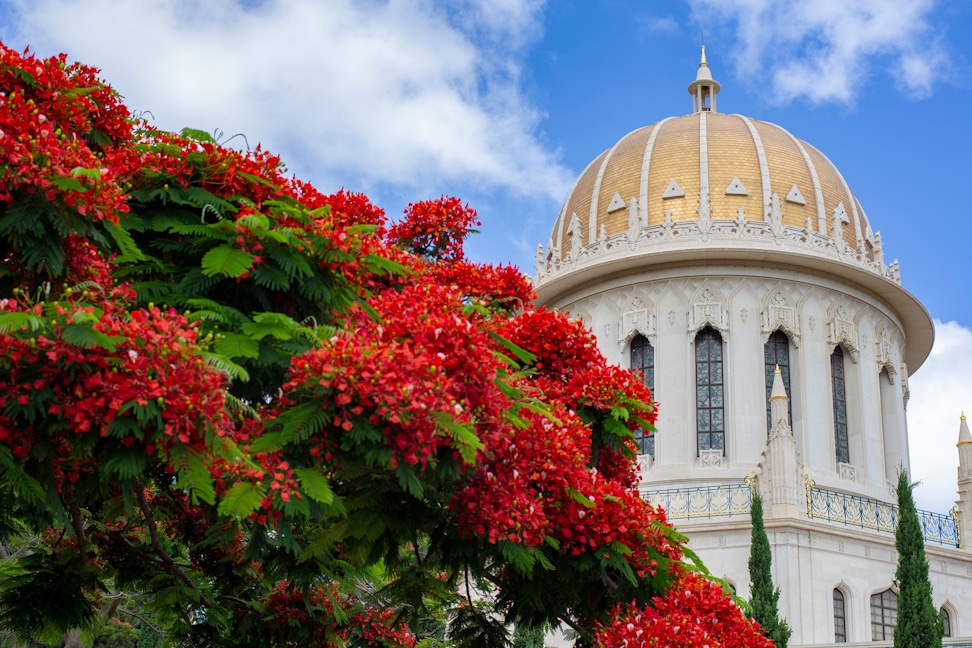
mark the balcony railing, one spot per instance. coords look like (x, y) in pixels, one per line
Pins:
(702, 502)
(866, 513)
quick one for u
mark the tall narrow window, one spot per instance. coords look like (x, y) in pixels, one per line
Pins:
(946, 623)
(884, 615)
(777, 354)
(709, 391)
(840, 618)
(643, 362)
(840, 405)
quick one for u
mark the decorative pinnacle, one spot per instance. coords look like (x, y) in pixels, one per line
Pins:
(962, 418)
(703, 63)
(778, 370)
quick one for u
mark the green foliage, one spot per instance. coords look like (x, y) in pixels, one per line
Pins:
(919, 625)
(763, 596)
(525, 636)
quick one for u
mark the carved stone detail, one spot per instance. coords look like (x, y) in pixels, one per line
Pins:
(885, 353)
(634, 221)
(708, 309)
(705, 214)
(576, 234)
(841, 330)
(846, 471)
(636, 319)
(711, 458)
(779, 314)
(774, 215)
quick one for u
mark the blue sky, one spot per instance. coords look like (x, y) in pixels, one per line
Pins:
(504, 102)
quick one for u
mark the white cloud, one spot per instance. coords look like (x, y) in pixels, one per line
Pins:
(403, 92)
(826, 49)
(940, 391)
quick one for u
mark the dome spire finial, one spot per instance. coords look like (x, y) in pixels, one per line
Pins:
(704, 89)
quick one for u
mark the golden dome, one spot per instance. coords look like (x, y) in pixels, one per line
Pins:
(711, 188)
(739, 162)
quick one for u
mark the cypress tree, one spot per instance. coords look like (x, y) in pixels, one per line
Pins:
(919, 625)
(763, 596)
(525, 636)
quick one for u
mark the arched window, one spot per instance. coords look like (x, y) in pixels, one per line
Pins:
(840, 405)
(884, 615)
(840, 618)
(709, 391)
(643, 362)
(777, 354)
(946, 622)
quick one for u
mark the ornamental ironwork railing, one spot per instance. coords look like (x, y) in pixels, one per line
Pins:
(702, 501)
(867, 513)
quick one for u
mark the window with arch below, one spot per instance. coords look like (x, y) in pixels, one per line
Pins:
(840, 617)
(946, 623)
(839, 388)
(643, 362)
(884, 615)
(709, 391)
(776, 352)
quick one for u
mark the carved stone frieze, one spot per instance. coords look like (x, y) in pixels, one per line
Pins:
(711, 459)
(841, 330)
(708, 309)
(761, 233)
(885, 353)
(636, 319)
(846, 471)
(779, 314)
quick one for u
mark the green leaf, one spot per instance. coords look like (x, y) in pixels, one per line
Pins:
(87, 337)
(409, 481)
(315, 485)
(11, 322)
(126, 244)
(580, 498)
(197, 135)
(464, 436)
(226, 260)
(235, 345)
(126, 463)
(193, 474)
(241, 500)
(67, 183)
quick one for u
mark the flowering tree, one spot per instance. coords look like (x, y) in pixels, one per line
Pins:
(241, 412)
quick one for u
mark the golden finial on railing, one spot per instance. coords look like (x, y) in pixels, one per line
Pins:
(958, 521)
(751, 479)
(810, 486)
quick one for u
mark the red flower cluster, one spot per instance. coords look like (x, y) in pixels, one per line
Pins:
(312, 612)
(424, 362)
(59, 125)
(694, 613)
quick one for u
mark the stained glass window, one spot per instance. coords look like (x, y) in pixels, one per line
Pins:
(777, 354)
(709, 391)
(840, 618)
(884, 615)
(643, 362)
(947, 622)
(840, 405)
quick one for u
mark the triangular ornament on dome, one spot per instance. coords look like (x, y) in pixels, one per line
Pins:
(736, 188)
(617, 203)
(673, 190)
(795, 196)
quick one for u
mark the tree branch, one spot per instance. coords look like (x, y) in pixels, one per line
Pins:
(76, 522)
(143, 620)
(160, 551)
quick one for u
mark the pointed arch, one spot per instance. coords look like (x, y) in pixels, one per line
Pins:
(884, 615)
(838, 386)
(840, 614)
(642, 361)
(776, 353)
(710, 392)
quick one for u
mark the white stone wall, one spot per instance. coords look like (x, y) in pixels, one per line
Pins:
(665, 307)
